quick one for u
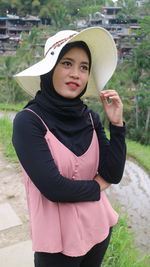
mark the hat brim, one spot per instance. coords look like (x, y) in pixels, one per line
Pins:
(104, 62)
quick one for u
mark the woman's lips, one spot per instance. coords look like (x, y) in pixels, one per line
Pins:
(72, 84)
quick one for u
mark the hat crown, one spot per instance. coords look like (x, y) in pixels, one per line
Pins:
(58, 39)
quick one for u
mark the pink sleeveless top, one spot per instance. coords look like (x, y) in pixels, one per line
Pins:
(70, 228)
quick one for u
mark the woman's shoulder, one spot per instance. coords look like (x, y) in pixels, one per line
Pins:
(24, 115)
(26, 119)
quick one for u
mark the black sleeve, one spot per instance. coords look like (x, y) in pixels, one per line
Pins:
(35, 157)
(112, 152)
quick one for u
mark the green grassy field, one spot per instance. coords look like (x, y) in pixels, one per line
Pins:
(140, 153)
(121, 251)
(12, 107)
(6, 140)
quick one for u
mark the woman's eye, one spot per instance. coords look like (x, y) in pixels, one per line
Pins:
(84, 67)
(66, 63)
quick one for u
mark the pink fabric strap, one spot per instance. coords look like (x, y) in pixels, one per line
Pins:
(91, 120)
(38, 117)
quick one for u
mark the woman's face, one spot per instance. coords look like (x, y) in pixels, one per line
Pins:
(71, 73)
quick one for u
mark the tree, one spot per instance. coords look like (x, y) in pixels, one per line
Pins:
(58, 13)
(137, 67)
(132, 80)
(9, 90)
(26, 55)
(35, 7)
(129, 10)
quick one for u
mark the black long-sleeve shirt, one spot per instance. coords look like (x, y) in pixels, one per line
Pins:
(36, 158)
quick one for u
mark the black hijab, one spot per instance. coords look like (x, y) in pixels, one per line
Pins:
(68, 119)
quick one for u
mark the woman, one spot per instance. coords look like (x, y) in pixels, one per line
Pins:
(66, 159)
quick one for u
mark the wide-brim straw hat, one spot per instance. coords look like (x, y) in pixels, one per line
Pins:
(103, 53)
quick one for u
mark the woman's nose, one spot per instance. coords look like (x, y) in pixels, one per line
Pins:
(74, 72)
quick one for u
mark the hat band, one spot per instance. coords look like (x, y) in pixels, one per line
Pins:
(59, 43)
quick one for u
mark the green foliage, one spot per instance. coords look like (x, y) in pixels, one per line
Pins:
(28, 53)
(129, 9)
(139, 152)
(90, 10)
(47, 8)
(5, 139)
(145, 9)
(12, 107)
(122, 252)
(9, 90)
(139, 75)
(132, 81)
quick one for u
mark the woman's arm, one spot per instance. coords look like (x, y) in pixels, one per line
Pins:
(113, 151)
(35, 157)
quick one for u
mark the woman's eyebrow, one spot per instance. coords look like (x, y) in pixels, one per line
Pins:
(85, 62)
(71, 59)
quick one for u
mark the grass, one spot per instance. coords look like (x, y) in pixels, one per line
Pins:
(6, 130)
(12, 107)
(139, 152)
(5, 139)
(121, 251)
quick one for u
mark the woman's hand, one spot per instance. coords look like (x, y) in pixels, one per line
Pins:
(113, 106)
(103, 184)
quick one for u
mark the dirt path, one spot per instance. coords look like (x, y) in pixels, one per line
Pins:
(133, 195)
(12, 192)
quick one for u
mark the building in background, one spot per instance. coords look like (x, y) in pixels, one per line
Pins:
(122, 30)
(11, 29)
